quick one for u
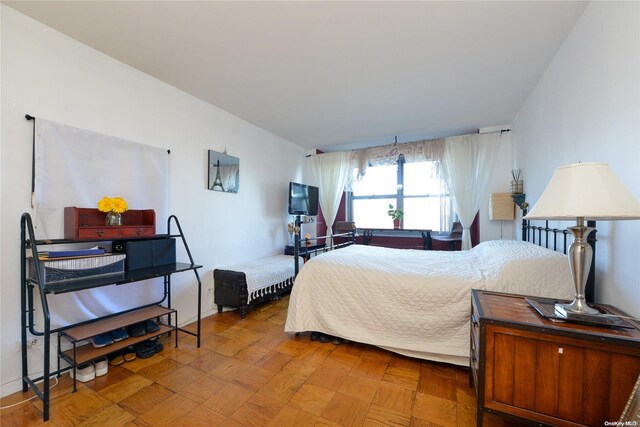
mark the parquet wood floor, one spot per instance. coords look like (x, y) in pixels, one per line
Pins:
(248, 372)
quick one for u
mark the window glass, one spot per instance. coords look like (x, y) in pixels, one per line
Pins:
(420, 179)
(422, 195)
(372, 213)
(378, 180)
(430, 213)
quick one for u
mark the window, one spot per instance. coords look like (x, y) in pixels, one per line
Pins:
(413, 187)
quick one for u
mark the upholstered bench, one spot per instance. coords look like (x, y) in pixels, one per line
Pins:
(244, 285)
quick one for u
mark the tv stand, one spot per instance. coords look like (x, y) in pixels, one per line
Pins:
(296, 244)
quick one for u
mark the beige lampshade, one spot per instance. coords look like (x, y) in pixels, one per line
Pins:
(501, 207)
(588, 190)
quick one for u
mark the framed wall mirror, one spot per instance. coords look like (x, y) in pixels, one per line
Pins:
(224, 172)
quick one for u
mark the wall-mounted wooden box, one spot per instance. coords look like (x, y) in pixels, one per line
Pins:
(88, 224)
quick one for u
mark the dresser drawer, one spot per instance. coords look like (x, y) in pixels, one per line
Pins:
(98, 232)
(137, 231)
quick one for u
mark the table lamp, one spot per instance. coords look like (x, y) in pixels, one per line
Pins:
(582, 191)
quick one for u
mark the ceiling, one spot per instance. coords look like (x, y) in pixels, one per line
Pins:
(325, 73)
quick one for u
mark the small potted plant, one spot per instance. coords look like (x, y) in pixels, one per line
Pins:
(396, 215)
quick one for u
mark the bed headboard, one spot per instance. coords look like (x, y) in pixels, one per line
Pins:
(345, 232)
(556, 239)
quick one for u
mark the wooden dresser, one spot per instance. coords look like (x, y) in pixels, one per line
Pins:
(555, 373)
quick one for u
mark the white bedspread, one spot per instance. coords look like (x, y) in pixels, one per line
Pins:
(417, 302)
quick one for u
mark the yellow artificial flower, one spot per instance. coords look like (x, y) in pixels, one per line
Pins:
(113, 204)
(119, 205)
(105, 205)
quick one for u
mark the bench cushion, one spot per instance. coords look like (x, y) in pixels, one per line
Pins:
(265, 272)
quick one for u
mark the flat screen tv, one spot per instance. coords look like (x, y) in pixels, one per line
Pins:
(303, 199)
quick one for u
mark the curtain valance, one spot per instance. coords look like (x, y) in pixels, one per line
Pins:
(417, 151)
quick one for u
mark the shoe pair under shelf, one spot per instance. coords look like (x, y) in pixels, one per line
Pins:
(143, 328)
(88, 371)
(126, 355)
(108, 338)
(148, 348)
(137, 330)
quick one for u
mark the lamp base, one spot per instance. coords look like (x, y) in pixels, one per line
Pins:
(580, 256)
(579, 306)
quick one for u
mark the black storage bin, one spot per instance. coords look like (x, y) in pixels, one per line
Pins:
(146, 253)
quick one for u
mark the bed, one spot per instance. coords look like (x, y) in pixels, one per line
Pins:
(416, 302)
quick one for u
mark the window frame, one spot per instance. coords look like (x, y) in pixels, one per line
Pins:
(399, 195)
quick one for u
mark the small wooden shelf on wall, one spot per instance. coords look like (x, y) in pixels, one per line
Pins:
(88, 224)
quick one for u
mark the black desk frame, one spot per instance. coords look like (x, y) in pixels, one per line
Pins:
(367, 235)
(28, 285)
(305, 251)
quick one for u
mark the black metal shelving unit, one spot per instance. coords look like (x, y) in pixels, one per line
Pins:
(29, 245)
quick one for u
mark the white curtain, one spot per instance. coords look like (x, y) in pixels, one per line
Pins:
(467, 166)
(331, 171)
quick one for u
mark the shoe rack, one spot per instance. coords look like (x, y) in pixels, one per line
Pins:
(79, 354)
(33, 287)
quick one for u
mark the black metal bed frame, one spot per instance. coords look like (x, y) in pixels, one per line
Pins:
(534, 234)
(351, 239)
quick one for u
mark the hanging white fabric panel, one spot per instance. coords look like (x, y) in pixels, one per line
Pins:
(331, 171)
(75, 167)
(467, 167)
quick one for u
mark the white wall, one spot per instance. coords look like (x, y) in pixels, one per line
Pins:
(51, 76)
(586, 107)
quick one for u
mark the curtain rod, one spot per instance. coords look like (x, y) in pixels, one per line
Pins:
(33, 159)
(495, 131)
